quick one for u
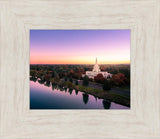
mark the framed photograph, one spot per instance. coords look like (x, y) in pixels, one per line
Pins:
(79, 69)
(63, 76)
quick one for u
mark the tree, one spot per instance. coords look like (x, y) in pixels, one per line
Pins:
(56, 79)
(70, 91)
(47, 77)
(65, 78)
(69, 85)
(70, 79)
(53, 74)
(90, 79)
(76, 82)
(32, 73)
(119, 79)
(106, 85)
(85, 98)
(85, 80)
(99, 78)
(106, 104)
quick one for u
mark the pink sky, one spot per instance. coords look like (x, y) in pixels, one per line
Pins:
(79, 46)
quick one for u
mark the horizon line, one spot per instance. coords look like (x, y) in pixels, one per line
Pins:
(79, 64)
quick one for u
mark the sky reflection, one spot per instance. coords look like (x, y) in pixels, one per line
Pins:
(43, 97)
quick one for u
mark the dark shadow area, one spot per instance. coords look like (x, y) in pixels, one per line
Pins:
(70, 91)
(33, 79)
(106, 104)
(85, 98)
(76, 91)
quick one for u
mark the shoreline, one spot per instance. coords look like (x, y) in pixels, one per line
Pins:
(107, 95)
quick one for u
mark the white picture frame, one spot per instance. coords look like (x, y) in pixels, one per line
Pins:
(18, 17)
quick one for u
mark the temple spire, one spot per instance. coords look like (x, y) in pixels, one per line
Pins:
(96, 67)
(96, 60)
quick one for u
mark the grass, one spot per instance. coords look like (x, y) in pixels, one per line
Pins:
(120, 99)
(123, 88)
(124, 100)
(124, 96)
(88, 89)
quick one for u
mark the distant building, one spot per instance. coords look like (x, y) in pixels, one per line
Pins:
(96, 70)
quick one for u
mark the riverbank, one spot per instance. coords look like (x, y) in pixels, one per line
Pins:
(109, 95)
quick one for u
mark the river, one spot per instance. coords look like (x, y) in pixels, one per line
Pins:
(44, 96)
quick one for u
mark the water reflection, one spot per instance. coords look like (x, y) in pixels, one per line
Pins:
(33, 79)
(70, 91)
(48, 84)
(65, 90)
(106, 104)
(53, 86)
(85, 98)
(52, 95)
(61, 89)
(41, 81)
(95, 98)
(76, 91)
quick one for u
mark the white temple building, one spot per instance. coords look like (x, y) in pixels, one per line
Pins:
(96, 70)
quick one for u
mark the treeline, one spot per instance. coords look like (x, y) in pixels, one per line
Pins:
(53, 73)
(60, 71)
(117, 80)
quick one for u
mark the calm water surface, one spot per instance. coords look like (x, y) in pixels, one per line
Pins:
(53, 97)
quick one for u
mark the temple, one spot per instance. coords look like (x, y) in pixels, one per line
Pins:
(96, 70)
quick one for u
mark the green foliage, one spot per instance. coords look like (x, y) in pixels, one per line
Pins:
(69, 84)
(47, 77)
(70, 79)
(120, 78)
(89, 89)
(32, 73)
(61, 82)
(56, 79)
(85, 81)
(51, 80)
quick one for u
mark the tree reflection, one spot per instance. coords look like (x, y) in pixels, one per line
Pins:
(47, 84)
(106, 104)
(57, 87)
(61, 88)
(85, 98)
(41, 81)
(95, 98)
(53, 86)
(76, 91)
(65, 90)
(70, 91)
(33, 79)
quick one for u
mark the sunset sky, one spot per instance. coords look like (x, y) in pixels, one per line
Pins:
(79, 46)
